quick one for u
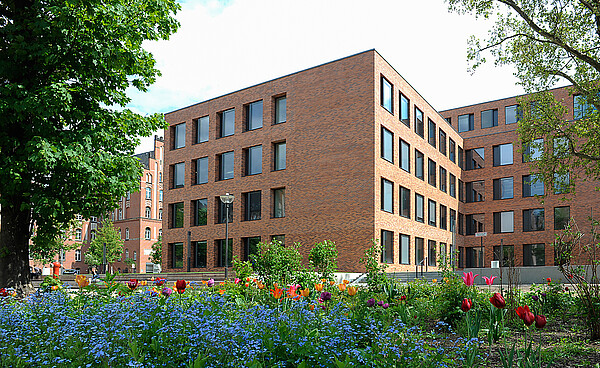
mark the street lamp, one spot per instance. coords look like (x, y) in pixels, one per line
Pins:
(227, 199)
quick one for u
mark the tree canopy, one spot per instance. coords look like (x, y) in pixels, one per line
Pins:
(66, 140)
(548, 42)
(107, 235)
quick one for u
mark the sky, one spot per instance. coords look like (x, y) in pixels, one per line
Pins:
(223, 46)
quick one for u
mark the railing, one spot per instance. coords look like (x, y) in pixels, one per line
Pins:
(423, 262)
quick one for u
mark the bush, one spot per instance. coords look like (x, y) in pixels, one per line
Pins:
(276, 263)
(323, 257)
(376, 276)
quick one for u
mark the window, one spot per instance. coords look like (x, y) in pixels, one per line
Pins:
(561, 183)
(159, 232)
(442, 142)
(503, 154)
(560, 147)
(252, 203)
(126, 253)
(227, 123)
(443, 253)
(532, 186)
(178, 175)
(77, 255)
(475, 158)
(224, 211)
(279, 202)
(147, 233)
(387, 145)
(404, 249)
(250, 247)
(387, 196)
(405, 110)
(160, 213)
(226, 165)
(148, 212)
(278, 238)
(254, 160)
(78, 234)
(201, 174)
(432, 253)
(449, 120)
(176, 255)
(452, 150)
(432, 213)
(176, 215)
(160, 195)
(489, 118)
(475, 223)
(534, 255)
(221, 252)
(200, 208)
(562, 216)
(504, 222)
(432, 133)
(135, 255)
(419, 210)
(279, 150)
(461, 224)
(404, 156)
(419, 165)
(202, 130)
(386, 95)
(419, 250)
(93, 235)
(404, 202)
(533, 151)
(475, 191)
(148, 193)
(506, 252)
(452, 186)
(443, 217)
(533, 220)
(466, 123)
(512, 114)
(581, 108)
(179, 136)
(419, 123)
(503, 188)
(149, 178)
(280, 110)
(126, 233)
(461, 155)
(432, 177)
(254, 115)
(461, 191)
(443, 175)
(200, 250)
(473, 257)
(387, 245)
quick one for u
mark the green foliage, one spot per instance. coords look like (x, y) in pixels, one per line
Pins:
(156, 254)
(65, 140)
(376, 276)
(45, 248)
(242, 269)
(108, 235)
(276, 263)
(323, 257)
(548, 42)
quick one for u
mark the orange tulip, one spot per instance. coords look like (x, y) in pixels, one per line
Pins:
(342, 287)
(305, 292)
(352, 290)
(346, 282)
(311, 307)
(247, 285)
(221, 291)
(82, 281)
(54, 287)
(319, 287)
(261, 285)
(277, 292)
(331, 283)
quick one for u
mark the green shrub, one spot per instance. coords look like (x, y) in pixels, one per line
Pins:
(242, 269)
(276, 263)
(376, 276)
(323, 257)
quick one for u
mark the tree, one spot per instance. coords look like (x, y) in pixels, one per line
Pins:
(109, 236)
(549, 42)
(156, 254)
(65, 138)
(323, 257)
(52, 247)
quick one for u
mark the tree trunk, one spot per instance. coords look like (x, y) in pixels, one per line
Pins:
(14, 248)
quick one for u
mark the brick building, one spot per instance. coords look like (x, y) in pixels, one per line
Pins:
(349, 151)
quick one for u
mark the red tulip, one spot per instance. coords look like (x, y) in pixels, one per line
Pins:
(540, 321)
(466, 305)
(498, 301)
(180, 285)
(133, 283)
(489, 280)
(529, 319)
(522, 311)
(469, 278)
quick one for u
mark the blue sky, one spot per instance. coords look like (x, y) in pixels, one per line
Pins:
(223, 46)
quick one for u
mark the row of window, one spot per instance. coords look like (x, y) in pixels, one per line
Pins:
(387, 205)
(533, 220)
(422, 255)
(503, 188)
(253, 164)
(199, 256)
(149, 194)
(251, 209)
(79, 254)
(252, 117)
(533, 255)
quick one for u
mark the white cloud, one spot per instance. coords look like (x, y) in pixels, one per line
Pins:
(225, 46)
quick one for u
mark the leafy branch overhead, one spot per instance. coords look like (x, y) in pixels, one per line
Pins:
(547, 43)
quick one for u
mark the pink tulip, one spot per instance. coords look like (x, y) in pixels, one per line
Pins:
(469, 279)
(489, 280)
(237, 281)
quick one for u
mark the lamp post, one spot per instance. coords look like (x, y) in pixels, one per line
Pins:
(227, 199)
